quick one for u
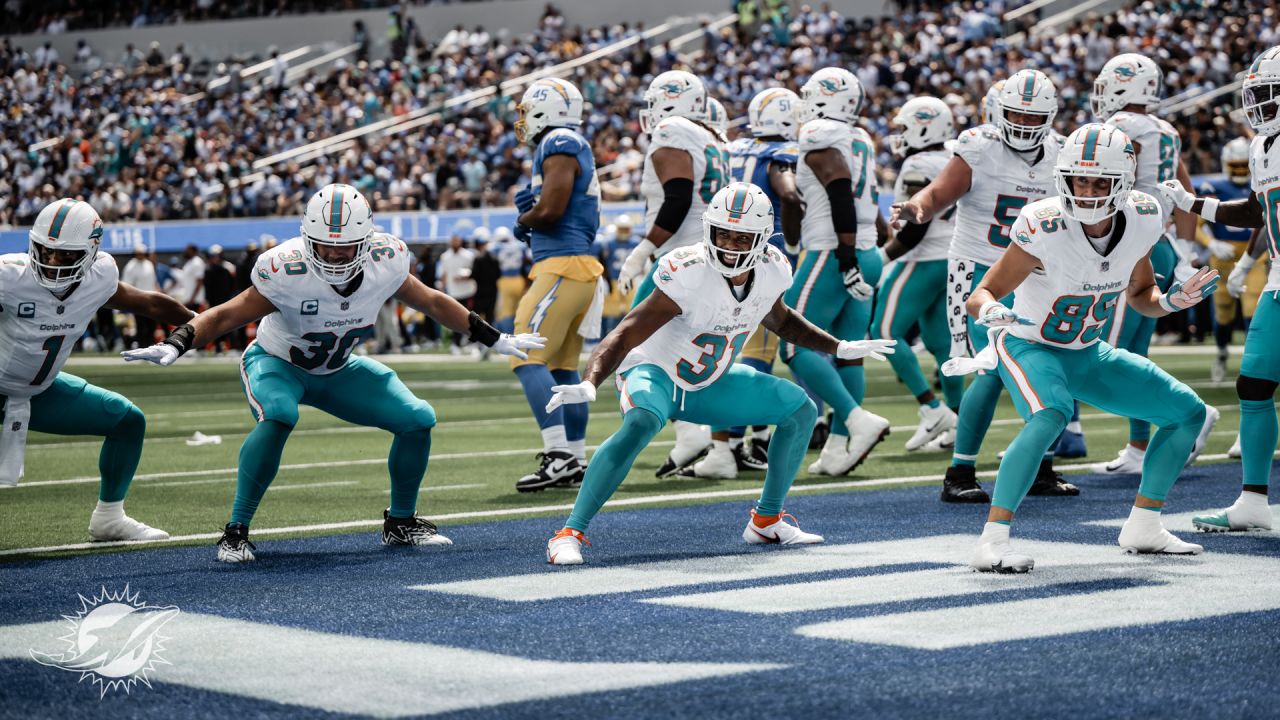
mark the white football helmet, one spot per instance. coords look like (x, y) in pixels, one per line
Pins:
(674, 92)
(773, 112)
(716, 117)
(1235, 161)
(832, 93)
(991, 102)
(1030, 92)
(1095, 150)
(1128, 79)
(925, 121)
(502, 234)
(740, 208)
(337, 216)
(69, 227)
(547, 103)
(1260, 93)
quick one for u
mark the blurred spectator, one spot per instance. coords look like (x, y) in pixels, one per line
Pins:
(192, 279)
(219, 285)
(485, 271)
(454, 270)
(140, 272)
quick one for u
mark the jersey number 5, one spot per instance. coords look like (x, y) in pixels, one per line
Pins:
(717, 174)
(1007, 207)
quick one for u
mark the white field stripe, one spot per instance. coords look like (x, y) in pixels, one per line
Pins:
(891, 304)
(537, 509)
(1020, 379)
(304, 486)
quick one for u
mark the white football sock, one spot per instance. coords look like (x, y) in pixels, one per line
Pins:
(553, 438)
(110, 509)
(579, 449)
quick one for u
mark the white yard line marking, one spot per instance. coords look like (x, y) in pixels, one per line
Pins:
(303, 486)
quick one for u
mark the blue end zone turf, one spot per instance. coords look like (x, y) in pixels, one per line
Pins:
(879, 622)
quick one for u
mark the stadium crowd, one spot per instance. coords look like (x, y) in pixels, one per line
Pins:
(139, 138)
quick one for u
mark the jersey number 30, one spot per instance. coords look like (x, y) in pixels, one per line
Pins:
(327, 349)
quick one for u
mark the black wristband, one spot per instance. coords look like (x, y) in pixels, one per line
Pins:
(846, 257)
(481, 331)
(181, 338)
(840, 195)
(677, 198)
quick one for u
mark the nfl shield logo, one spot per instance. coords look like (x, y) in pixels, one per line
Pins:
(60, 309)
(737, 311)
(345, 305)
(1106, 265)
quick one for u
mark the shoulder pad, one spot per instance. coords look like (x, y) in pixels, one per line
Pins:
(678, 132)
(820, 134)
(562, 141)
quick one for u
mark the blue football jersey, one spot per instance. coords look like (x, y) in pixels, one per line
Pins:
(613, 252)
(749, 161)
(1225, 190)
(511, 255)
(576, 231)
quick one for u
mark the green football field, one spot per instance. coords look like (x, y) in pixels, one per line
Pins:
(333, 477)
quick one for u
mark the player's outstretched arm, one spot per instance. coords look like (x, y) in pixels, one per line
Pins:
(1243, 213)
(558, 175)
(1145, 296)
(453, 315)
(206, 327)
(644, 320)
(943, 192)
(1004, 277)
(794, 328)
(155, 305)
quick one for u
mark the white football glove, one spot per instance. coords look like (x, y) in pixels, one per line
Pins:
(1222, 249)
(854, 349)
(856, 285)
(1173, 191)
(1185, 295)
(515, 345)
(633, 266)
(995, 314)
(1235, 281)
(162, 354)
(583, 392)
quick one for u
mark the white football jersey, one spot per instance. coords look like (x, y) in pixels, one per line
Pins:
(1002, 182)
(859, 154)
(1072, 300)
(1159, 148)
(700, 344)
(922, 168)
(1264, 180)
(37, 330)
(314, 326)
(710, 173)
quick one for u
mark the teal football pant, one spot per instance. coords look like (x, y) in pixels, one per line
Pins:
(71, 406)
(742, 396)
(916, 293)
(1045, 381)
(1259, 372)
(364, 392)
(818, 293)
(978, 404)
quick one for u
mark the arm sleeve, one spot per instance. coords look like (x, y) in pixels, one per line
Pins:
(677, 198)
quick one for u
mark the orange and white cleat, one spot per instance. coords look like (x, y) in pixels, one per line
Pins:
(565, 547)
(773, 529)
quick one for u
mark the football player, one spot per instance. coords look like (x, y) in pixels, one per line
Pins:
(613, 252)
(685, 164)
(997, 168)
(1126, 88)
(1260, 365)
(559, 217)
(317, 296)
(512, 256)
(675, 352)
(767, 160)
(834, 283)
(48, 297)
(717, 118)
(915, 289)
(1071, 258)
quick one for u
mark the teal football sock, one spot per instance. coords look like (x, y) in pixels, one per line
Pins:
(1022, 459)
(1258, 431)
(786, 452)
(820, 376)
(407, 463)
(854, 378)
(259, 463)
(1139, 430)
(610, 465)
(1168, 452)
(977, 407)
(121, 450)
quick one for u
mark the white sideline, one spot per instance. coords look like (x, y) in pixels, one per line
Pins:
(510, 512)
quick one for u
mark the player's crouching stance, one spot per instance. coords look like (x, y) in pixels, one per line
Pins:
(675, 355)
(1070, 259)
(318, 296)
(48, 297)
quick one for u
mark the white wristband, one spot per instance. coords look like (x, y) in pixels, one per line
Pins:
(1167, 304)
(1209, 209)
(1246, 261)
(988, 305)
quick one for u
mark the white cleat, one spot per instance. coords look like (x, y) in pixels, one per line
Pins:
(565, 547)
(934, 421)
(1218, 372)
(1245, 514)
(106, 527)
(1150, 537)
(1211, 416)
(834, 455)
(996, 555)
(778, 532)
(946, 442)
(691, 441)
(1234, 451)
(866, 430)
(719, 464)
(1128, 462)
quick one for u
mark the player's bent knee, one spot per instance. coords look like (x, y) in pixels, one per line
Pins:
(1055, 416)
(131, 424)
(1251, 388)
(639, 422)
(805, 414)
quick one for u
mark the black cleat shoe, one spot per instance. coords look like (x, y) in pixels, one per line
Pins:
(670, 468)
(820, 432)
(753, 454)
(410, 531)
(234, 545)
(1049, 483)
(961, 486)
(558, 469)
